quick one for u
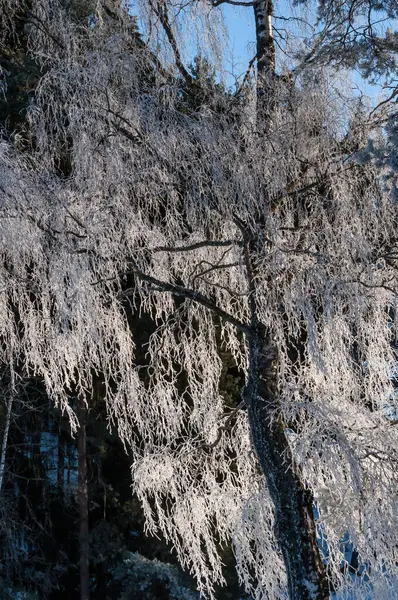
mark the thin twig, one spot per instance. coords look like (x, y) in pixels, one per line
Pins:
(223, 428)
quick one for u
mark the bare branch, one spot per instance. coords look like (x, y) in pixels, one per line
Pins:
(197, 246)
(216, 3)
(246, 77)
(223, 427)
(189, 294)
(162, 13)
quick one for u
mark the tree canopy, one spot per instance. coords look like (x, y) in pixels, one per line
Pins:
(255, 226)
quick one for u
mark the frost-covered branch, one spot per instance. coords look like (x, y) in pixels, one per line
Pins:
(187, 293)
(171, 247)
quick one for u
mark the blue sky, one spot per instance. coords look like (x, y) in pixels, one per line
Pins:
(241, 29)
(241, 48)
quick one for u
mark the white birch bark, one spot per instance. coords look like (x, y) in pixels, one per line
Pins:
(9, 404)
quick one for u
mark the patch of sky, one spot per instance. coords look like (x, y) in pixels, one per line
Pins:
(294, 28)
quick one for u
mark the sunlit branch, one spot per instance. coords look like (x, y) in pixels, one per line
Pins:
(162, 13)
(197, 246)
(223, 427)
(384, 102)
(177, 290)
(216, 3)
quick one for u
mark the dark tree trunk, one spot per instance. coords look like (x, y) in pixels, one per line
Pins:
(294, 521)
(295, 529)
(83, 505)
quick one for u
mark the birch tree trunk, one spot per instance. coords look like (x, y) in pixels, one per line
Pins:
(6, 429)
(294, 521)
(265, 60)
(83, 505)
(293, 504)
(295, 528)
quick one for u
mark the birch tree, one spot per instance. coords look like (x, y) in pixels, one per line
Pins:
(8, 402)
(240, 227)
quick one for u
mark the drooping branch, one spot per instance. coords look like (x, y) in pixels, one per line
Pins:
(223, 427)
(189, 294)
(197, 246)
(33, 19)
(139, 43)
(161, 11)
(246, 77)
(216, 3)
